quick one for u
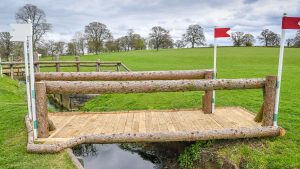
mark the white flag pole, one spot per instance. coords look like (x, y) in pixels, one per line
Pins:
(279, 74)
(27, 79)
(35, 125)
(214, 72)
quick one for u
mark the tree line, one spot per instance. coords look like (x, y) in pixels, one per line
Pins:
(96, 37)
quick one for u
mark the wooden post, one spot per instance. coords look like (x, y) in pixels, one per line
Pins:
(57, 65)
(11, 66)
(77, 63)
(98, 65)
(269, 101)
(42, 109)
(207, 97)
(118, 67)
(36, 59)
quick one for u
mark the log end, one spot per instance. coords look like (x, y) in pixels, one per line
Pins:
(282, 132)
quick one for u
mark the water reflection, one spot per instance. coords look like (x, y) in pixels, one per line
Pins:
(108, 156)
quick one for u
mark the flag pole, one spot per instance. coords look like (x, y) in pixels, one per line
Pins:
(27, 78)
(214, 71)
(279, 74)
(33, 109)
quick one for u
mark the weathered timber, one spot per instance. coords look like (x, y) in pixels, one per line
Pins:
(42, 110)
(157, 137)
(121, 76)
(207, 98)
(78, 63)
(98, 65)
(82, 87)
(269, 101)
(51, 125)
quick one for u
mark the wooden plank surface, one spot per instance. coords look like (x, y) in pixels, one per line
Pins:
(78, 124)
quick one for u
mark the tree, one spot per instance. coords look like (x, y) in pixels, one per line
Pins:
(50, 45)
(159, 38)
(38, 19)
(248, 39)
(194, 35)
(179, 44)
(59, 47)
(6, 45)
(269, 38)
(290, 42)
(96, 33)
(71, 48)
(80, 42)
(297, 39)
(237, 38)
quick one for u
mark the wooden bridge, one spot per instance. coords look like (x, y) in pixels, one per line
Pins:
(57, 131)
(17, 69)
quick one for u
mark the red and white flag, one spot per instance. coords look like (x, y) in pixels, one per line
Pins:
(221, 32)
(290, 22)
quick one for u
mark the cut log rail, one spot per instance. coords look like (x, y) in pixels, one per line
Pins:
(67, 87)
(122, 76)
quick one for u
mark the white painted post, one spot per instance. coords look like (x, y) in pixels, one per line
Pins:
(27, 78)
(214, 73)
(279, 74)
(1, 71)
(35, 125)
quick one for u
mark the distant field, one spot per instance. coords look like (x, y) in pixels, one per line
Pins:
(236, 62)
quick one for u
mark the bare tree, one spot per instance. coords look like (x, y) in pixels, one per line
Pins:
(194, 35)
(59, 47)
(290, 42)
(297, 39)
(6, 45)
(38, 19)
(96, 33)
(71, 48)
(269, 38)
(179, 44)
(159, 38)
(50, 45)
(80, 42)
(237, 38)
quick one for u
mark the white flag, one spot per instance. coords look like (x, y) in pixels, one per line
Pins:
(20, 31)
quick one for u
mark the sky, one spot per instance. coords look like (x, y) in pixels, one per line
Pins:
(70, 16)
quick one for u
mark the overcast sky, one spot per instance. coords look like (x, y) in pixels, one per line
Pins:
(69, 16)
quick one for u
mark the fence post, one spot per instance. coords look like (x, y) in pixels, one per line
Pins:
(269, 101)
(77, 63)
(208, 96)
(118, 67)
(42, 109)
(36, 60)
(57, 64)
(11, 68)
(98, 65)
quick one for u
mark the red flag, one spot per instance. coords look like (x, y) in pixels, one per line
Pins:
(290, 22)
(221, 32)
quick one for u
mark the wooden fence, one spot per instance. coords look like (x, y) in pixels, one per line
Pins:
(17, 68)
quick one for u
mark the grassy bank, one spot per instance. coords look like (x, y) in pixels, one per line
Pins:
(13, 135)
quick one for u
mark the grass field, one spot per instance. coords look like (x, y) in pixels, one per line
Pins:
(13, 135)
(240, 62)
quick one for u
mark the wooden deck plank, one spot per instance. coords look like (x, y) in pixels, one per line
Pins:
(79, 124)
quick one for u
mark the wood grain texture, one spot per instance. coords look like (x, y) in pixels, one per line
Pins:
(121, 76)
(83, 87)
(269, 101)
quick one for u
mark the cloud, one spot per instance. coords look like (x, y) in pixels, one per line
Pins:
(70, 16)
